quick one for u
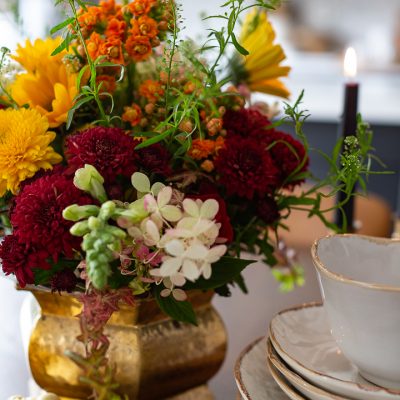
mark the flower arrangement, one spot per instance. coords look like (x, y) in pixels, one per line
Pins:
(130, 168)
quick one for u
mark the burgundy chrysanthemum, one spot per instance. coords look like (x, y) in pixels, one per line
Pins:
(246, 168)
(246, 122)
(110, 150)
(64, 281)
(267, 209)
(19, 259)
(288, 153)
(154, 159)
(37, 215)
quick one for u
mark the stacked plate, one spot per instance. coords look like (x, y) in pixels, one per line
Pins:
(306, 363)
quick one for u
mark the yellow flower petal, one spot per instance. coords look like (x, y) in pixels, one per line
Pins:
(273, 86)
(24, 147)
(262, 65)
(46, 85)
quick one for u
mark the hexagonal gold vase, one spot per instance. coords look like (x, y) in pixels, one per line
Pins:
(156, 358)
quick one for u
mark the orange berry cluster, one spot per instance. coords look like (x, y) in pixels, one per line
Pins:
(148, 111)
(124, 33)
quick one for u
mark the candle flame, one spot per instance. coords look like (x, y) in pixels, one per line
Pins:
(350, 63)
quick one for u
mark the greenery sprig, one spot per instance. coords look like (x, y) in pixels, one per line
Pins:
(92, 91)
(4, 61)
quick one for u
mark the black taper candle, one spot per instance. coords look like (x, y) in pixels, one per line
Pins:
(348, 128)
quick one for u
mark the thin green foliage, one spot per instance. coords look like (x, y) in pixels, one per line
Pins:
(92, 91)
(225, 36)
(348, 169)
(4, 55)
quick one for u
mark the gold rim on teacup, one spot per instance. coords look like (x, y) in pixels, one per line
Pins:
(341, 278)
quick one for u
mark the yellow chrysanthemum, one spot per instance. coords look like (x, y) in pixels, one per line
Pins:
(262, 65)
(47, 85)
(24, 147)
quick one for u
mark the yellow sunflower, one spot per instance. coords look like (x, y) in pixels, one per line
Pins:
(24, 147)
(261, 69)
(47, 85)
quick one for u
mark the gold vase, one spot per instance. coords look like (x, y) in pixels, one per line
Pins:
(155, 357)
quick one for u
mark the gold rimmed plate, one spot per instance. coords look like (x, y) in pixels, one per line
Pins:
(283, 383)
(301, 337)
(307, 389)
(252, 377)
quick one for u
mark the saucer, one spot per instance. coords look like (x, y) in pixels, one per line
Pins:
(283, 383)
(310, 391)
(301, 336)
(252, 377)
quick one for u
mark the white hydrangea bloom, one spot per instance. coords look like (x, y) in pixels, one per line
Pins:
(142, 184)
(182, 231)
(188, 246)
(161, 207)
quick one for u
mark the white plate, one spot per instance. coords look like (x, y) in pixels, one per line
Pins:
(310, 391)
(301, 336)
(283, 383)
(252, 376)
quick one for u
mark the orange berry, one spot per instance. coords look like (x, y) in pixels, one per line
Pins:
(207, 165)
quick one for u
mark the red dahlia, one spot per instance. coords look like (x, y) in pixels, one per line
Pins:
(245, 168)
(63, 281)
(154, 159)
(288, 153)
(20, 259)
(37, 214)
(246, 122)
(267, 209)
(110, 150)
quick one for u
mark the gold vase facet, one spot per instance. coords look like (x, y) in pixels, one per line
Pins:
(155, 357)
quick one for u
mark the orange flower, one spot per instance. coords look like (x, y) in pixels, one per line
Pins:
(108, 83)
(214, 126)
(132, 114)
(112, 48)
(189, 87)
(138, 47)
(144, 26)
(116, 28)
(90, 18)
(151, 90)
(201, 148)
(207, 165)
(94, 45)
(140, 7)
(108, 7)
(219, 144)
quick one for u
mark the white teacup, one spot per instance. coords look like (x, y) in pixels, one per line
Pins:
(360, 284)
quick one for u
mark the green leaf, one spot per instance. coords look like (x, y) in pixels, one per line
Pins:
(78, 104)
(61, 25)
(227, 269)
(80, 76)
(42, 276)
(223, 291)
(178, 310)
(153, 140)
(64, 45)
(238, 47)
(239, 280)
(297, 201)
